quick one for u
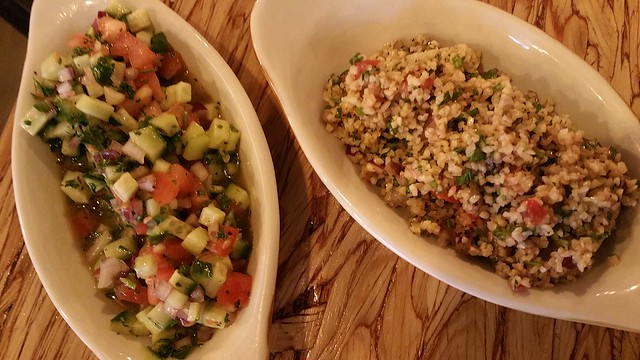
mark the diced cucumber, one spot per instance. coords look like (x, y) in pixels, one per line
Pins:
(75, 188)
(211, 215)
(196, 142)
(166, 123)
(111, 173)
(219, 133)
(150, 141)
(34, 120)
(194, 312)
(122, 248)
(113, 96)
(102, 236)
(241, 249)
(143, 95)
(219, 268)
(161, 165)
(173, 226)
(165, 334)
(179, 93)
(156, 319)
(214, 316)
(234, 137)
(126, 121)
(176, 299)
(50, 67)
(152, 207)
(81, 62)
(70, 148)
(94, 183)
(145, 36)
(94, 107)
(61, 130)
(213, 110)
(125, 187)
(116, 10)
(138, 20)
(238, 195)
(182, 283)
(145, 266)
(127, 323)
(196, 241)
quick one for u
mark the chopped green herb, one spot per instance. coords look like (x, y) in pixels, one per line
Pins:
(490, 74)
(202, 268)
(478, 155)
(126, 88)
(465, 178)
(474, 112)
(359, 112)
(457, 61)
(102, 71)
(356, 58)
(503, 233)
(159, 43)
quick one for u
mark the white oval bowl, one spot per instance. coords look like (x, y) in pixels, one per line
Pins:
(51, 244)
(300, 44)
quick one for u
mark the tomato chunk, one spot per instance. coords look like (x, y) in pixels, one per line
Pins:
(221, 241)
(182, 177)
(136, 296)
(174, 251)
(84, 222)
(171, 65)
(534, 211)
(80, 41)
(235, 291)
(166, 188)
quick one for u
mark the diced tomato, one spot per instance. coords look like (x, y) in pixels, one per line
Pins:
(166, 188)
(222, 240)
(466, 218)
(362, 66)
(153, 109)
(203, 114)
(132, 107)
(141, 228)
(444, 195)
(80, 41)
(171, 64)
(427, 83)
(534, 211)
(165, 270)
(235, 291)
(174, 251)
(192, 117)
(84, 222)
(133, 50)
(183, 178)
(199, 197)
(137, 296)
(151, 79)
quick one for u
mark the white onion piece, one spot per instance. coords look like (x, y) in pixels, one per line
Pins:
(147, 183)
(64, 88)
(66, 74)
(110, 269)
(200, 171)
(197, 294)
(162, 290)
(169, 310)
(133, 151)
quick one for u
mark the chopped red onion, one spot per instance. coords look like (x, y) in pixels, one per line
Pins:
(110, 269)
(185, 323)
(192, 220)
(199, 170)
(147, 183)
(197, 294)
(66, 74)
(170, 310)
(133, 210)
(116, 146)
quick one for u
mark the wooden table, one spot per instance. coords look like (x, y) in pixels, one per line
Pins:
(340, 294)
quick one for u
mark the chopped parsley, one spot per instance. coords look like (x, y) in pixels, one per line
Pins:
(102, 71)
(159, 43)
(202, 268)
(457, 61)
(356, 58)
(465, 178)
(490, 74)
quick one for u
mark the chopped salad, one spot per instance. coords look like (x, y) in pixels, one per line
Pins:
(151, 174)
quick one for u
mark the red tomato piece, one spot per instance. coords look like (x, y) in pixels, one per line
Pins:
(182, 177)
(141, 228)
(80, 41)
(362, 66)
(235, 291)
(166, 188)
(165, 270)
(132, 107)
(221, 241)
(134, 51)
(151, 79)
(444, 195)
(534, 211)
(137, 296)
(171, 64)
(84, 222)
(174, 251)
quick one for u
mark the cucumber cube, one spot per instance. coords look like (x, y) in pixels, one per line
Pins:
(174, 226)
(61, 130)
(125, 187)
(194, 312)
(69, 148)
(211, 215)
(196, 142)
(220, 266)
(150, 141)
(81, 62)
(166, 123)
(50, 67)
(156, 319)
(145, 36)
(111, 174)
(94, 183)
(127, 323)
(152, 207)
(138, 20)
(219, 134)
(179, 93)
(116, 10)
(126, 121)
(176, 299)
(238, 195)
(121, 249)
(161, 165)
(34, 120)
(145, 266)
(182, 283)
(94, 107)
(75, 188)
(196, 241)
(113, 96)
(214, 316)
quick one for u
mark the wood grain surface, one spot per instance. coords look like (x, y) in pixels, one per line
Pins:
(340, 294)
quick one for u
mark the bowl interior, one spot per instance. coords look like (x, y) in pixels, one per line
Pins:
(41, 205)
(301, 44)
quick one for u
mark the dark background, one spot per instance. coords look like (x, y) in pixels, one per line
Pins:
(16, 12)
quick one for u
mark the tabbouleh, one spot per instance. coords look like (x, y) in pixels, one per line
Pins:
(490, 170)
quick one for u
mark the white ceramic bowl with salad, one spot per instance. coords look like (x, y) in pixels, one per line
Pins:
(301, 44)
(52, 242)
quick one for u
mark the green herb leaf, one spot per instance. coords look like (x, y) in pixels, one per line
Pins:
(465, 178)
(356, 58)
(490, 74)
(159, 43)
(202, 268)
(457, 61)
(102, 71)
